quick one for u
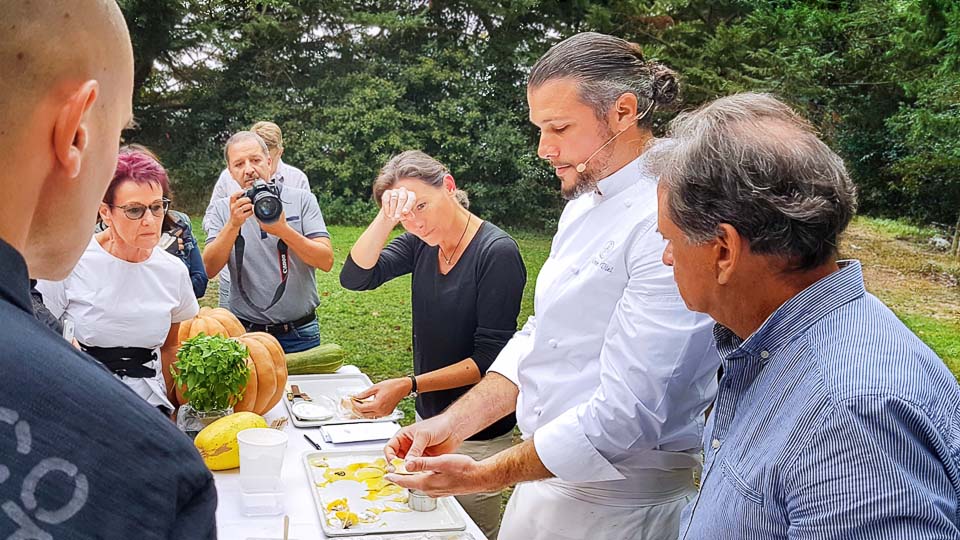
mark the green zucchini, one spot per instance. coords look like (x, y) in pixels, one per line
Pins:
(326, 358)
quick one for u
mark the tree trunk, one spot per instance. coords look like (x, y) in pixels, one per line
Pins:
(955, 247)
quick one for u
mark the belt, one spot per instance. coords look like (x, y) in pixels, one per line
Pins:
(125, 361)
(278, 328)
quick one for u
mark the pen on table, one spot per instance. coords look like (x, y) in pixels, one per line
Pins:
(309, 440)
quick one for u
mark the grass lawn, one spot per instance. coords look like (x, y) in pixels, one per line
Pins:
(918, 283)
(921, 285)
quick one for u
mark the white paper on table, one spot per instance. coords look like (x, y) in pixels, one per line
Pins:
(348, 433)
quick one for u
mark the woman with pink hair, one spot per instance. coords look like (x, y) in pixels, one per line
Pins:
(127, 296)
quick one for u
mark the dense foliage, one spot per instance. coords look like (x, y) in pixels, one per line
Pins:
(352, 83)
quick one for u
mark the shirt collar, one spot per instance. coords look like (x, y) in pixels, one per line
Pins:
(14, 282)
(278, 176)
(629, 174)
(796, 314)
(620, 180)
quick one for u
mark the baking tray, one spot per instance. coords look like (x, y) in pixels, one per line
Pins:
(328, 385)
(445, 518)
(456, 535)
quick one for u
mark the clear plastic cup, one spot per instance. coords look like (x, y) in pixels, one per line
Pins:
(261, 459)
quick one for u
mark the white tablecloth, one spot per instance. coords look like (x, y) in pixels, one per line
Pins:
(297, 499)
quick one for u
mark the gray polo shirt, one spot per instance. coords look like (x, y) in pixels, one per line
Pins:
(261, 260)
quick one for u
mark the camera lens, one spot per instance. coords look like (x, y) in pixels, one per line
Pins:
(267, 207)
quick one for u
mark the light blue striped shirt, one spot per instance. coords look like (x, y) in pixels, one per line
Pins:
(833, 421)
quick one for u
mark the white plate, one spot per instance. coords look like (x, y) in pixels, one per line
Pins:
(320, 408)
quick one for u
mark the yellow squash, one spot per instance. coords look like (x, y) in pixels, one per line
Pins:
(218, 444)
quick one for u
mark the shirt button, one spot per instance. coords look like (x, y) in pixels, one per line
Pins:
(764, 355)
(628, 203)
(715, 444)
(553, 343)
(575, 270)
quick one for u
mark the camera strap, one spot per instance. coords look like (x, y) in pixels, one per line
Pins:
(284, 270)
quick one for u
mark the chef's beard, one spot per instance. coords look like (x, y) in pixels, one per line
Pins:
(587, 181)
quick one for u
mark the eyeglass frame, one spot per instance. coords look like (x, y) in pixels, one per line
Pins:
(165, 203)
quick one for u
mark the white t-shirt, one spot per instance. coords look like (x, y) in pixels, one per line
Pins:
(116, 303)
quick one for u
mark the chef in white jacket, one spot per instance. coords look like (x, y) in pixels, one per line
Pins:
(611, 376)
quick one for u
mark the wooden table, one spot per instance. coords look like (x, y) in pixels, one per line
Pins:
(297, 499)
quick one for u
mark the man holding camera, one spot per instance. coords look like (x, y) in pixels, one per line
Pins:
(273, 256)
(281, 173)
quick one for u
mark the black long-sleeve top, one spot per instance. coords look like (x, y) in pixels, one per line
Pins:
(471, 312)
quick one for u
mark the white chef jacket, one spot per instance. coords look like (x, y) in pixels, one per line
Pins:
(614, 372)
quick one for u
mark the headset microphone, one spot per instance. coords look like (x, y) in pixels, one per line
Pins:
(583, 166)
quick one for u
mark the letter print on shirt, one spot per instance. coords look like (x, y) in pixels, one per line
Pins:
(29, 530)
(600, 260)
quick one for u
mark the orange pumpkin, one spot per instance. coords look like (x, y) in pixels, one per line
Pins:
(213, 322)
(268, 374)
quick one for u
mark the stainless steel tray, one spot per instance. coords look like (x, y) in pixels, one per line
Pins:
(444, 518)
(455, 535)
(329, 385)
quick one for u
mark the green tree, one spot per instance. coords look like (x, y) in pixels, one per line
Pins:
(353, 83)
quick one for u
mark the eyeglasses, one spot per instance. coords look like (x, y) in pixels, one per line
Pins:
(136, 210)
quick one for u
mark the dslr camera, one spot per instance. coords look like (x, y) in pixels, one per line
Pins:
(266, 201)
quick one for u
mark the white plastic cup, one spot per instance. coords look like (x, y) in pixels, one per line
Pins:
(261, 459)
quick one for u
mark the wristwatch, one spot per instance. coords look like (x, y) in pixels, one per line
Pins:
(413, 386)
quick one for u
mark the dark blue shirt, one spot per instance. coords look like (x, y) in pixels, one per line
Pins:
(81, 455)
(833, 421)
(190, 254)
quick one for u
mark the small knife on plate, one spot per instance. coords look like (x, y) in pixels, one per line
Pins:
(295, 395)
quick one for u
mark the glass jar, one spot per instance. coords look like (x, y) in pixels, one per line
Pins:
(191, 421)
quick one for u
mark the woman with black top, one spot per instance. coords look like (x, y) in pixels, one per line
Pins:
(467, 282)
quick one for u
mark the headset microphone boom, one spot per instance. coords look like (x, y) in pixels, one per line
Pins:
(583, 166)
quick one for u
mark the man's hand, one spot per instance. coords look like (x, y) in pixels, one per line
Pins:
(278, 228)
(432, 437)
(241, 208)
(387, 394)
(452, 474)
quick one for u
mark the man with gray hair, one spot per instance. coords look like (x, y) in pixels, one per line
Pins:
(833, 421)
(292, 247)
(281, 173)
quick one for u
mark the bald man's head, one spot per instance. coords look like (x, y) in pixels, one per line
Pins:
(65, 95)
(46, 42)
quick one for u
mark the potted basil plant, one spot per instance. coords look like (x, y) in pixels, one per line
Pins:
(212, 373)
